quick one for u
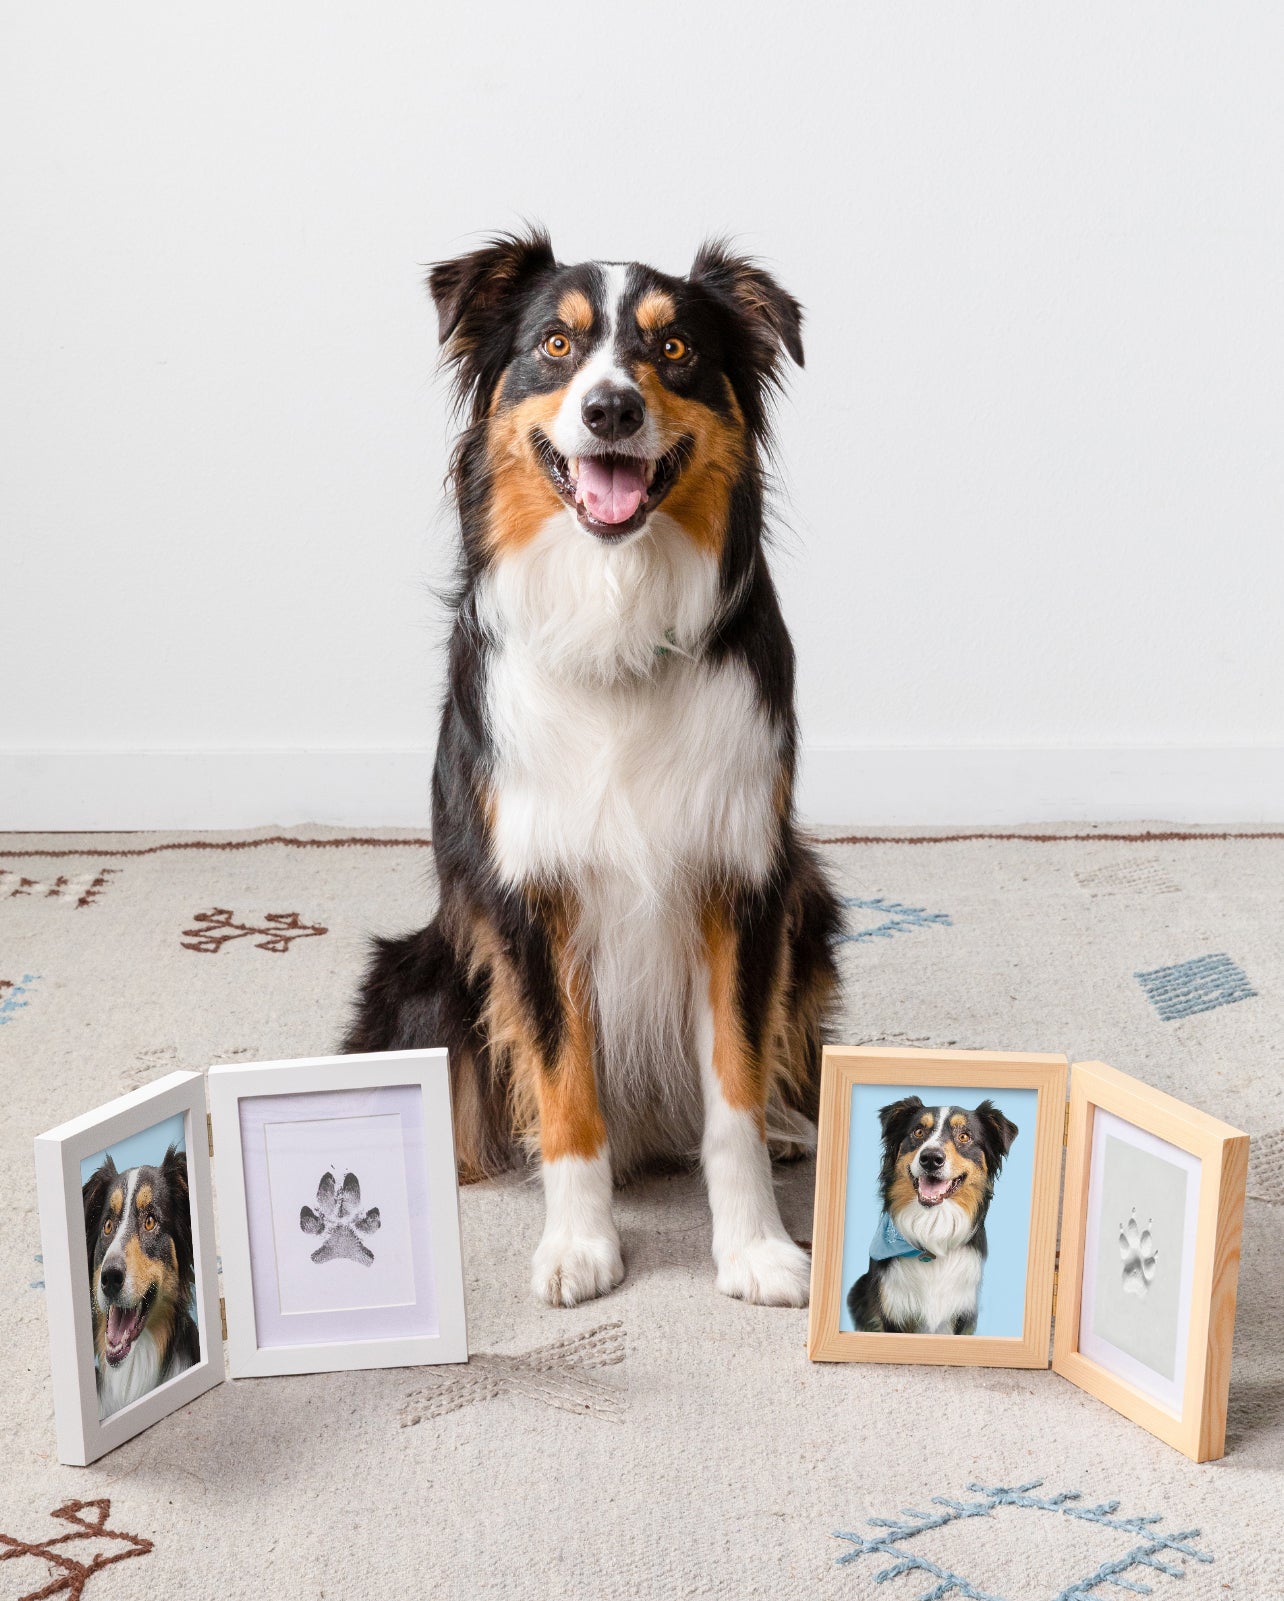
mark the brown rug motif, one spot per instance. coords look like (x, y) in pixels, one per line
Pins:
(68, 1575)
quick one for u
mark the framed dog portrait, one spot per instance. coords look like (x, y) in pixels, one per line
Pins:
(338, 1213)
(1150, 1242)
(127, 1227)
(937, 1182)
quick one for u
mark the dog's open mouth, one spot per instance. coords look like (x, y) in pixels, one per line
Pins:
(611, 494)
(932, 1191)
(124, 1325)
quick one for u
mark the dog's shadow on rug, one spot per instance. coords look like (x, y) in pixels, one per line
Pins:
(665, 1224)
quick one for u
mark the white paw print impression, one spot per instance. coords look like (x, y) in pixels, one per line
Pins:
(1139, 1252)
(339, 1219)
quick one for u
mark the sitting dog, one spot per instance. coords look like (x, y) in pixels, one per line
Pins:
(937, 1178)
(138, 1231)
(633, 954)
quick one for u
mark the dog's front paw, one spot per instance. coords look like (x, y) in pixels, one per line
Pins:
(568, 1270)
(769, 1271)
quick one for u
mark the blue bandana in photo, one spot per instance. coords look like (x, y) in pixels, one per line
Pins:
(888, 1242)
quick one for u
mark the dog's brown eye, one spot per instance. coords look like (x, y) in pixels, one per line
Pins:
(557, 346)
(108, 1226)
(149, 1224)
(962, 1137)
(675, 349)
(919, 1133)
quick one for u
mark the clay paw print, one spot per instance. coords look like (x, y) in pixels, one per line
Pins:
(339, 1218)
(1139, 1252)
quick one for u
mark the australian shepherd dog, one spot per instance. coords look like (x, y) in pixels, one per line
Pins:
(937, 1179)
(138, 1232)
(633, 955)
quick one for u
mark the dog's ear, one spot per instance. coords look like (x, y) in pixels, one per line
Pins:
(770, 315)
(897, 1117)
(477, 296)
(174, 1172)
(93, 1193)
(1000, 1131)
(896, 1120)
(766, 322)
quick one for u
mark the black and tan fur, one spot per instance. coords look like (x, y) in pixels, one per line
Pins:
(513, 972)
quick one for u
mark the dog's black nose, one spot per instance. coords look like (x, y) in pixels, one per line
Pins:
(112, 1277)
(932, 1160)
(611, 412)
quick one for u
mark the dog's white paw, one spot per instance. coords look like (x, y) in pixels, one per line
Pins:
(568, 1270)
(770, 1271)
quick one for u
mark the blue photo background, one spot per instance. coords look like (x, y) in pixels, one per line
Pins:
(1007, 1224)
(144, 1149)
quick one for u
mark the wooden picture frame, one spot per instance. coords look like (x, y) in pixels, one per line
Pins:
(1192, 1418)
(121, 1129)
(846, 1067)
(252, 1104)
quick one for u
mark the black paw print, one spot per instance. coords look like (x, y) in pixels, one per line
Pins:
(339, 1218)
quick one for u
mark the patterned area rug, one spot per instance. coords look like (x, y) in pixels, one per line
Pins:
(664, 1441)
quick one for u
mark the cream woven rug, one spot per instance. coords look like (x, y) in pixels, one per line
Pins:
(664, 1441)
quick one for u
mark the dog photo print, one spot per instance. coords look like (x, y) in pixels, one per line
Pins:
(937, 1226)
(142, 1273)
(131, 1281)
(936, 1195)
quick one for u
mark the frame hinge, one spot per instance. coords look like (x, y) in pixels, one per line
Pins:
(1065, 1128)
(209, 1130)
(222, 1314)
(1056, 1282)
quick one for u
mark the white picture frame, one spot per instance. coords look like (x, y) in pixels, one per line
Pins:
(269, 1121)
(82, 1435)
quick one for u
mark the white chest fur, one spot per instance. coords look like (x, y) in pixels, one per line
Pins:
(129, 1379)
(610, 757)
(930, 1295)
(630, 771)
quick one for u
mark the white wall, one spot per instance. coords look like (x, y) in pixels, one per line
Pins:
(1033, 468)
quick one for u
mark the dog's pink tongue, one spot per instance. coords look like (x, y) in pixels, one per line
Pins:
(122, 1328)
(611, 490)
(932, 1189)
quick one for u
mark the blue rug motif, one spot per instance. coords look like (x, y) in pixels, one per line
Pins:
(896, 919)
(1152, 1553)
(11, 995)
(1200, 985)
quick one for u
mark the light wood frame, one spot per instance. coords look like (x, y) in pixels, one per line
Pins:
(82, 1437)
(1200, 1429)
(228, 1085)
(843, 1067)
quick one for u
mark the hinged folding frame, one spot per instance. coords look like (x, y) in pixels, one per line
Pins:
(1055, 1273)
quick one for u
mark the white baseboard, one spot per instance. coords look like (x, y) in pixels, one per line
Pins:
(214, 788)
(939, 787)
